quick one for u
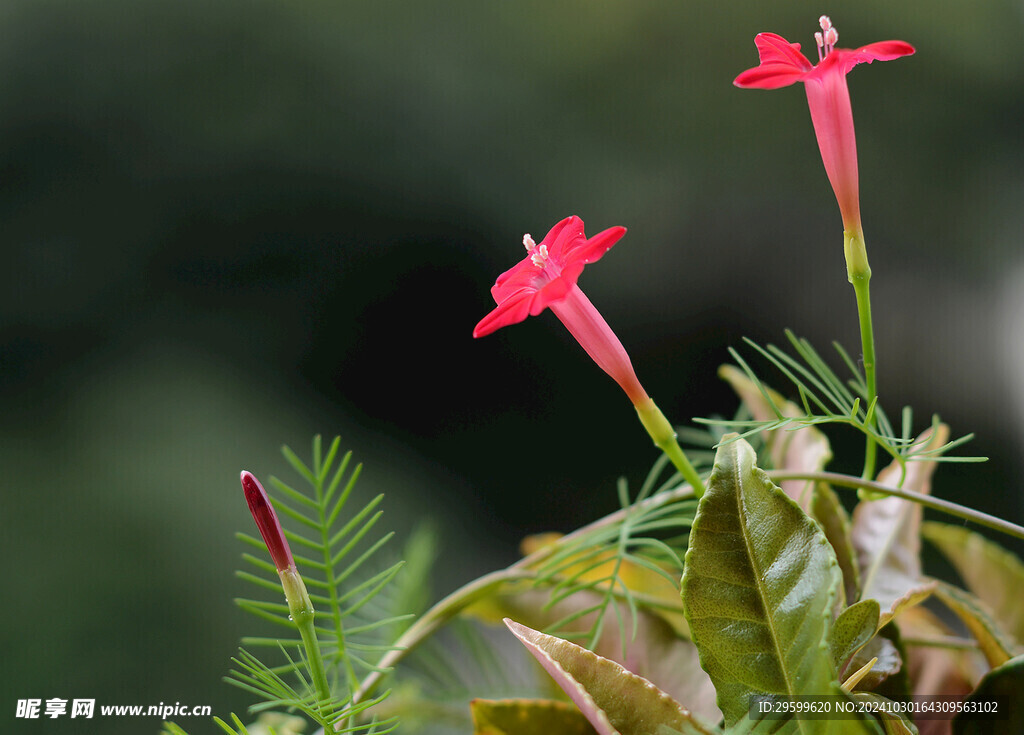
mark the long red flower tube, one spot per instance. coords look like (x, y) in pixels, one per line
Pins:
(828, 97)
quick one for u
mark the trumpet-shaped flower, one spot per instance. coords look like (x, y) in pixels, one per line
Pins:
(828, 97)
(546, 278)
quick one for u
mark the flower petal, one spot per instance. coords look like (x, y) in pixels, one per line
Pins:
(886, 50)
(555, 290)
(592, 250)
(526, 289)
(511, 310)
(553, 233)
(769, 76)
(564, 237)
(846, 59)
(523, 274)
(774, 49)
(781, 64)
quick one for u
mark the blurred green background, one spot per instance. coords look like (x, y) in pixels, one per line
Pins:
(228, 226)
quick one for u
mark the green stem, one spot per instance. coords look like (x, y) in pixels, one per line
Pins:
(303, 615)
(867, 338)
(664, 437)
(954, 509)
(859, 273)
(940, 641)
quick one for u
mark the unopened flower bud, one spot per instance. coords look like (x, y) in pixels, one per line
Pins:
(266, 520)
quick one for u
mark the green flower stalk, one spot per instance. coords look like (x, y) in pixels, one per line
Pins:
(300, 606)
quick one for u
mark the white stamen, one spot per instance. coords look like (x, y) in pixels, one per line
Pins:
(539, 256)
(528, 243)
(827, 39)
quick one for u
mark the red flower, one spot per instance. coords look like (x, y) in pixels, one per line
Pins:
(266, 520)
(546, 278)
(782, 64)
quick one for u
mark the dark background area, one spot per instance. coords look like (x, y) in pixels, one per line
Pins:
(229, 226)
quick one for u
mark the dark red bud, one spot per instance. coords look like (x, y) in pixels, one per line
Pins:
(266, 520)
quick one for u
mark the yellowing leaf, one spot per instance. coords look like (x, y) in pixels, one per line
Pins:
(651, 590)
(527, 717)
(656, 652)
(998, 649)
(993, 574)
(614, 700)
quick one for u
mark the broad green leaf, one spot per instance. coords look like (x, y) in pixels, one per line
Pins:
(994, 643)
(993, 574)
(527, 717)
(759, 584)
(829, 512)
(1003, 686)
(615, 701)
(886, 535)
(798, 450)
(852, 629)
(892, 724)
